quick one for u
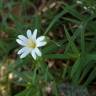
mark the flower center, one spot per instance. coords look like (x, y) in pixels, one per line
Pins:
(31, 44)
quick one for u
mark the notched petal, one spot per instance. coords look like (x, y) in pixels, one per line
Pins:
(33, 54)
(23, 38)
(29, 34)
(24, 54)
(34, 34)
(40, 44)
(41, 38)
(20, 42)
(38, 52)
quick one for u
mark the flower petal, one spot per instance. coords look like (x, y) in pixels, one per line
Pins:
(38, 52)
(40, 44)
(34, 34)
(22, 50)
(25, 53)
(33, 53)
(41, 38)
(20, 42)
(23, 38)
(29, 34)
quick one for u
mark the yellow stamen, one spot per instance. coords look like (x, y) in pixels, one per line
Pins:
(31, 44)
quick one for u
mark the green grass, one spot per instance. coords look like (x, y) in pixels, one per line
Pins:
(70, 53)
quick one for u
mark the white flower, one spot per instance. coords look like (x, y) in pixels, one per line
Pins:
(30, 44)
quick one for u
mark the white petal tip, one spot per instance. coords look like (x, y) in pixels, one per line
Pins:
(35, 30)
(28, 29)
(34, 58)
(17, 40)
(22, 56)
(29, 34)
(19, 36)
(18, 53)
(45, 43)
